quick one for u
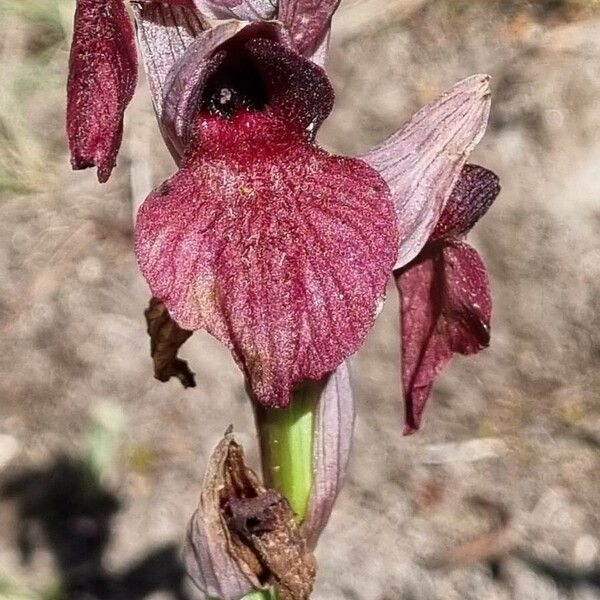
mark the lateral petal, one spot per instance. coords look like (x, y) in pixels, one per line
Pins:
(445, 308)
(422, 162)
(474, 193)
(102, 79)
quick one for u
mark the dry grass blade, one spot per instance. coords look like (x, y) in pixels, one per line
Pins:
(488, 547)
(33, 44)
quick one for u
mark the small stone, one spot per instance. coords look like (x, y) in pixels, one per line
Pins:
(586, 550)
(90, 270)
(468, 451)
(9, 448)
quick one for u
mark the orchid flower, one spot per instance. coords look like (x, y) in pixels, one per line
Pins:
(275, 247)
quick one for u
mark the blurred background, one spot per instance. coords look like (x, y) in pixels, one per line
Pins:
(498, 497)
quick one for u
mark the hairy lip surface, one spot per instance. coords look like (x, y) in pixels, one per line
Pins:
(276, 248)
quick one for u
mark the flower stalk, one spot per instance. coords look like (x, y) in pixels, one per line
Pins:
(286, 448)
(286, 443)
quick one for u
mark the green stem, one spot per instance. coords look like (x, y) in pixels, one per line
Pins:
(261, 595)
(286, 445)
(286, 440)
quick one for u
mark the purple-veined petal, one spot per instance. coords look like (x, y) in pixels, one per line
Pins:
(279, 250)
(102, 79)
(276, 248)
(242, 10)
(422, 162)
(332, 441)
(308, 22)
(445, 308)
(164, 33)
(245, 10)
(472, 196)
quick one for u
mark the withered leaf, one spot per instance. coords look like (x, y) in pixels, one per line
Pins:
(207, 557)
(166, 337)
(237, 518)
(266, 525)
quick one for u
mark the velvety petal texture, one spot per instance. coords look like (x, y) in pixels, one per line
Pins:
(102, 79)
(475, 191)
(445, 296)
(446, 308)
(278, 249)
(422, 162)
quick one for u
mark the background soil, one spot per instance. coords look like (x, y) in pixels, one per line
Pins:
(497, 497)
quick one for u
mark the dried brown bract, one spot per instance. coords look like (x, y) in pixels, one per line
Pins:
(265, 525)
(166, 337)
(244, 536)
